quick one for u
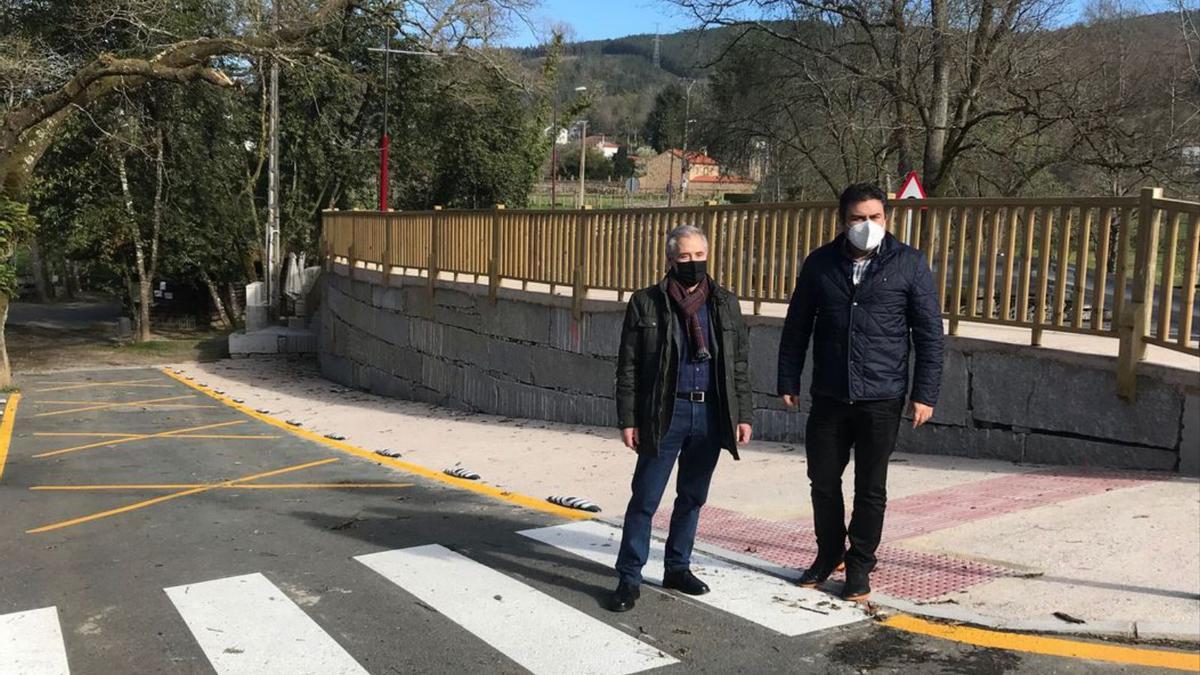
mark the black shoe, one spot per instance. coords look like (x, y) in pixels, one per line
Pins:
(858, 586)
(685, 582)
(819, 570)
(624, 598)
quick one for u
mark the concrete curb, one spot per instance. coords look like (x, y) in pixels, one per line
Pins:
(1145, 630)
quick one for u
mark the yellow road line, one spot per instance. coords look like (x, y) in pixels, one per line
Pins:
(508, 496)
(86, 385)
(93, 434)
(142, 437)
(175, 495)
(233, 437)
(239, 486)
(120, 404)
(85, 433)
(1036, 644)
(103, 406)
(6, 427)
(95, 382)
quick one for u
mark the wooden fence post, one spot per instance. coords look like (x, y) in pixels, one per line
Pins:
(327, 241)
(582, 260)
(435, 221)
(352, 253)
(714, 241)
(494, 264)
(1135, 315)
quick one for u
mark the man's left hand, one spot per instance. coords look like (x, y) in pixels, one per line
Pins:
(743, 434)
(921, 413)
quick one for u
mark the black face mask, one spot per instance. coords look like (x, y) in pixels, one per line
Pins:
(691, 273)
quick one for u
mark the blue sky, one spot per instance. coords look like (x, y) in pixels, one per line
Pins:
(593, 20)
(600, 19)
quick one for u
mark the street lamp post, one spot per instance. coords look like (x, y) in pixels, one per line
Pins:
(385, 140)
(683, 161)
(554, 153)
(582, 159)
(554, 150)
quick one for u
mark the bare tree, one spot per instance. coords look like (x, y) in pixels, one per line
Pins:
(936, 76)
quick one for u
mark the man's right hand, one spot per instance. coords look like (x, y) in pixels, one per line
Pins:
(630, 437)
(790, 400)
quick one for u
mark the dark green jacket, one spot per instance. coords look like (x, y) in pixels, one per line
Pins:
(648, 363)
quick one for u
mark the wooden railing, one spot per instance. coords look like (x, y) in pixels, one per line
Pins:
(1059, 264)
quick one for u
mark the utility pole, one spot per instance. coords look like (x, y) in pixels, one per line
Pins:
(385, 140)
(671, 176)
(554, 153)
(271, 245)
(687, 122)
(657, 48)
(582, 160)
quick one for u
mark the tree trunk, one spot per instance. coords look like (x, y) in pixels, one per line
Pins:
(939, 114)
(235, 307)
(71, 278)
(40, 280)
(216, 300)
(5, 369)
(143, 328)
(144, 298)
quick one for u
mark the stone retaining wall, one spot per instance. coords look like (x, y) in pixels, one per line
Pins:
(525, 356)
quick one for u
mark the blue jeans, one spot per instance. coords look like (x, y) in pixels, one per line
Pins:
(692, 438)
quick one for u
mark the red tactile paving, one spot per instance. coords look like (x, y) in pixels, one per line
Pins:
(901, 572)
(953, 506)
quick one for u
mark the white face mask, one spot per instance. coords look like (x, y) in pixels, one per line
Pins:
(866, 235)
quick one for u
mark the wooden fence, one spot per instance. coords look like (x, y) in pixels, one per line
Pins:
(1062, 264)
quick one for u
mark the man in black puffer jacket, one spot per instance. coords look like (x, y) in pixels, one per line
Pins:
(861, 299)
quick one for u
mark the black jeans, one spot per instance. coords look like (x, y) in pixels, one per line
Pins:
(870, 427)
(692, 439)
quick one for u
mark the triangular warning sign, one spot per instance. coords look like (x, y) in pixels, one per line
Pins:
(911, 188)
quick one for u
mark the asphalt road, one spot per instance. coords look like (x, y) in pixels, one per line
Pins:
(210, 541)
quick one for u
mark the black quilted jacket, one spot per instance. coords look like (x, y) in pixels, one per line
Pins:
(648, 360)
(861, 336)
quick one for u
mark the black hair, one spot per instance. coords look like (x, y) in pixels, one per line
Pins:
(858, 193)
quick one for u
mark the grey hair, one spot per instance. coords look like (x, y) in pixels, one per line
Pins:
(682, 232)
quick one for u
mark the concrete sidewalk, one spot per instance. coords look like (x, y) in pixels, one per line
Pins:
(985, 542)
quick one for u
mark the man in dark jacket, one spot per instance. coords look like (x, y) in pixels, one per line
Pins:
(862, 299)
(683, 391)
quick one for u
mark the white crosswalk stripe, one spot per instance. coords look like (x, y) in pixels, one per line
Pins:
(246, 625)
(528, 626)
(764, 599)
(31, 643)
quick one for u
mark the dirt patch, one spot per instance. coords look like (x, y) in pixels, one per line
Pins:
(36, 348)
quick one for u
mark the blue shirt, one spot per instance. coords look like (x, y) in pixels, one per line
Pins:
(693, 375)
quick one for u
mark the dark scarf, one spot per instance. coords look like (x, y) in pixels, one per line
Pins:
(690, 303)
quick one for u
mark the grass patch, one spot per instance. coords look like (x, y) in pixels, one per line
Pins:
(209, 347)
(158, 346)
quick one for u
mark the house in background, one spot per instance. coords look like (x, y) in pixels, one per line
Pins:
(603, 145)
(700, 174)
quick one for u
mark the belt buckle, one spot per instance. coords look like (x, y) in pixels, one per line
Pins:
(696, 396)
